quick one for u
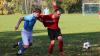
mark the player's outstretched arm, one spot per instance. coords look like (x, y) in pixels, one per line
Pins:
(18, 23)
(54, 3)
(57, 5)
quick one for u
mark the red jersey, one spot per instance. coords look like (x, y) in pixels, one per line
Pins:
(49, 21)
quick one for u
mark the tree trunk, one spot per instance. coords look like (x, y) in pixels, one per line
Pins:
(30, 6)
(26, 9)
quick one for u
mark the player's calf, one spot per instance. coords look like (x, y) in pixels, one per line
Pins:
(17, 44)
(22, 49)
(60, 46)
(50, 48)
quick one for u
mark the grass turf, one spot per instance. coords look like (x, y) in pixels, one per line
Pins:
(75, 30)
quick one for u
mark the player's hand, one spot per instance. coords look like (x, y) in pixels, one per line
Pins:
(16, 28)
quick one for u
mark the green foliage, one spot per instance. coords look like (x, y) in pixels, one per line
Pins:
(5, 11)
(8, 0)
(72, 4)
(69, 6)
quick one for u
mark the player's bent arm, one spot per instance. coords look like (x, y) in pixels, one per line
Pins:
(18, 23)
(54, 5)
(40, 18)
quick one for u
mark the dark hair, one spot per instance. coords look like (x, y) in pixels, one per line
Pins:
(59, 9)
(37, 10)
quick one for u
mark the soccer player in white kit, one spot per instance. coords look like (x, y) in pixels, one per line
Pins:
(46, 11)
(26, 32)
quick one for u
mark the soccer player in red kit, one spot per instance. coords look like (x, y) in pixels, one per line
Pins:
(51, 22)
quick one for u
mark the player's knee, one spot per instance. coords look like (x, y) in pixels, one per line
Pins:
(26, 46)
(59, 38)
(52, 41)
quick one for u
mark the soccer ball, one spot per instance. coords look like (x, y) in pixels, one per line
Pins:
(86, 45)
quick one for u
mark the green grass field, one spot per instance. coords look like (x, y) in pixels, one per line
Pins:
(75, 30)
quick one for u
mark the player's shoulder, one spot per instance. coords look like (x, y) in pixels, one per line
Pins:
(30, 15)
(51, 14)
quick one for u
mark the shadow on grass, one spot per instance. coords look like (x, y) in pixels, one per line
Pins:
(7, 39)
(72, 44)
(13, 34)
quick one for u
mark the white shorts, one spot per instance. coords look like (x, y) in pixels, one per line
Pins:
(26, 37)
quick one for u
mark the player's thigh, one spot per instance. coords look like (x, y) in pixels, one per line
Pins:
(51, 34)
(58, 34)
(25, 38)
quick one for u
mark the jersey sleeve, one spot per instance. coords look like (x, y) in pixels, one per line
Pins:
(28, 17)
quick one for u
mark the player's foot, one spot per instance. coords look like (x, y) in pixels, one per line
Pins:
(61, 53)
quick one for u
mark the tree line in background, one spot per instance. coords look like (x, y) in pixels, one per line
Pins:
(25, 6)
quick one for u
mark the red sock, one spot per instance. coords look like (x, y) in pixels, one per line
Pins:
(50, 49)
(60, 45)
